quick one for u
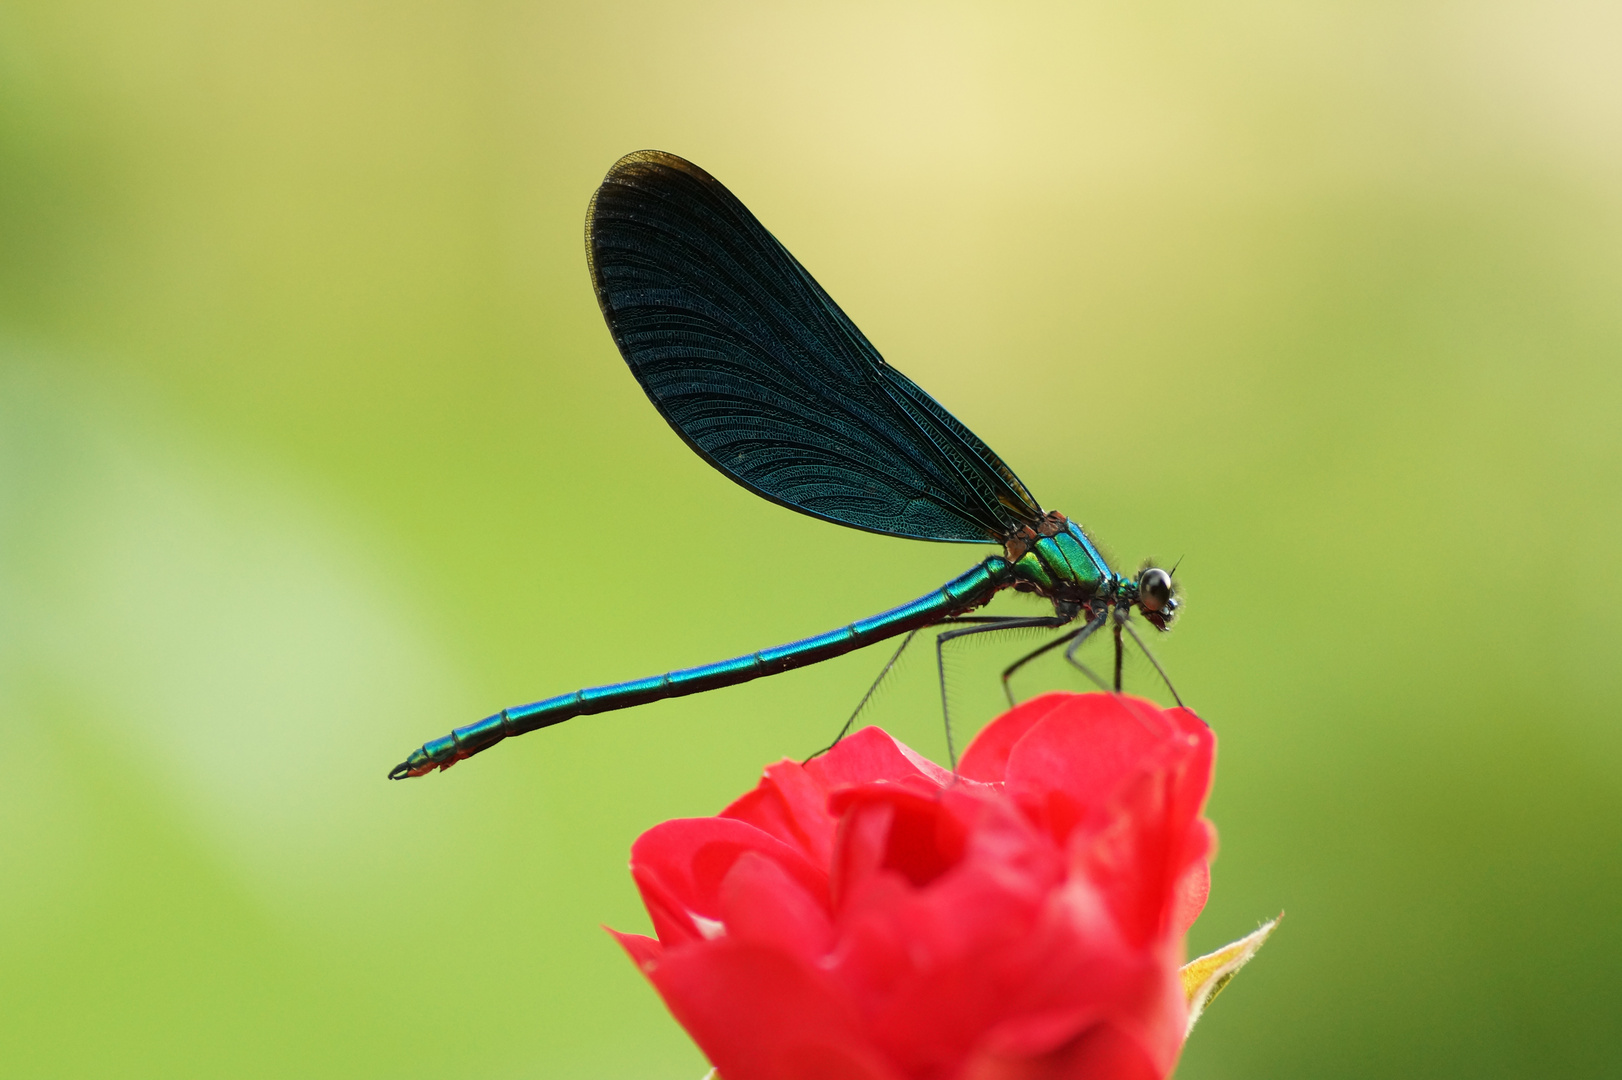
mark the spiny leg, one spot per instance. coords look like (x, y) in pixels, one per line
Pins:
(884, 672)
(1081, 638)
(992, 623)
(1118, 650)
(1008, 672)
(1158, 668)
(871, 690)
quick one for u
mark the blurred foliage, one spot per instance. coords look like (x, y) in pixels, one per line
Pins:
(313, 445)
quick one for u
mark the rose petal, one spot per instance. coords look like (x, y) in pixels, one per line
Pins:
(1102, 1051)
(764, 904)
(1136, 855)
(680, 865)
(889, 826)
(986, 759)
(790, 804)
(759, 1014)
(644, 952)
(1072, 761)
(989, 942)
(873, 754)
(1192, 892)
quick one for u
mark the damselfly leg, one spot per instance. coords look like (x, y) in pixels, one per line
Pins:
(1081, 639)
(991, 624)
(1008, 672)
(1156, 663)
(1119, 619)
(889, 666)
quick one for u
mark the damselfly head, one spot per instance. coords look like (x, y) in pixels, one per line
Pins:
(1156, 596)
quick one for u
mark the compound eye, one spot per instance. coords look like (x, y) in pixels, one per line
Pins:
(1154, 589)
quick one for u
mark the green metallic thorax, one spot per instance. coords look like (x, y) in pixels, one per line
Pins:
(1066, 567)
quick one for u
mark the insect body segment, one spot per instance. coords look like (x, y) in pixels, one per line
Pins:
(1063, 565)
(962, 594)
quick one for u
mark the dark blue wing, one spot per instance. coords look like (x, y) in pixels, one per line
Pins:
(762, 374)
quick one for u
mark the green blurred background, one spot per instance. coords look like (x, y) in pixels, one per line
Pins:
(313, 445)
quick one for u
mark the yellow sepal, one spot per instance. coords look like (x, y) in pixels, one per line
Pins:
(1203, 979)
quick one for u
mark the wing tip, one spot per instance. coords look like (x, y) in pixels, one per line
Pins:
(651, 160)
(638, 164)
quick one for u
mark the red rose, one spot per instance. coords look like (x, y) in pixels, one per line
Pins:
(871, 916)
